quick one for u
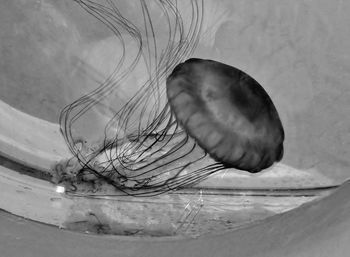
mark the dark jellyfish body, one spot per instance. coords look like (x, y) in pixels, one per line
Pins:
(228, 113)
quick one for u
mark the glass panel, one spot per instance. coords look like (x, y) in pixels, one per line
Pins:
(108, 57)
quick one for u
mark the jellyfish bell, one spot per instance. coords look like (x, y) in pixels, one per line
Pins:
(228, 113)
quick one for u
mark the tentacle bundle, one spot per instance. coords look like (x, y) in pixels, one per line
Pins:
(150, 152)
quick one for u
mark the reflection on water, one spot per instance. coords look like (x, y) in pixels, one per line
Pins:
(188, 214)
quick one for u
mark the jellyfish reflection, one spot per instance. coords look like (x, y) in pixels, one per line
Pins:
(148, 152)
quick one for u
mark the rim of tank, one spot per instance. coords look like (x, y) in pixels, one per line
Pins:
(37, 144)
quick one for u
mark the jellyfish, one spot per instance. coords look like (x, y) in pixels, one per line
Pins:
(228, 113)
(164, 137)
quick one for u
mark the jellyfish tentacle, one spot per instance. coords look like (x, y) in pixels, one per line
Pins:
(149, 153)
